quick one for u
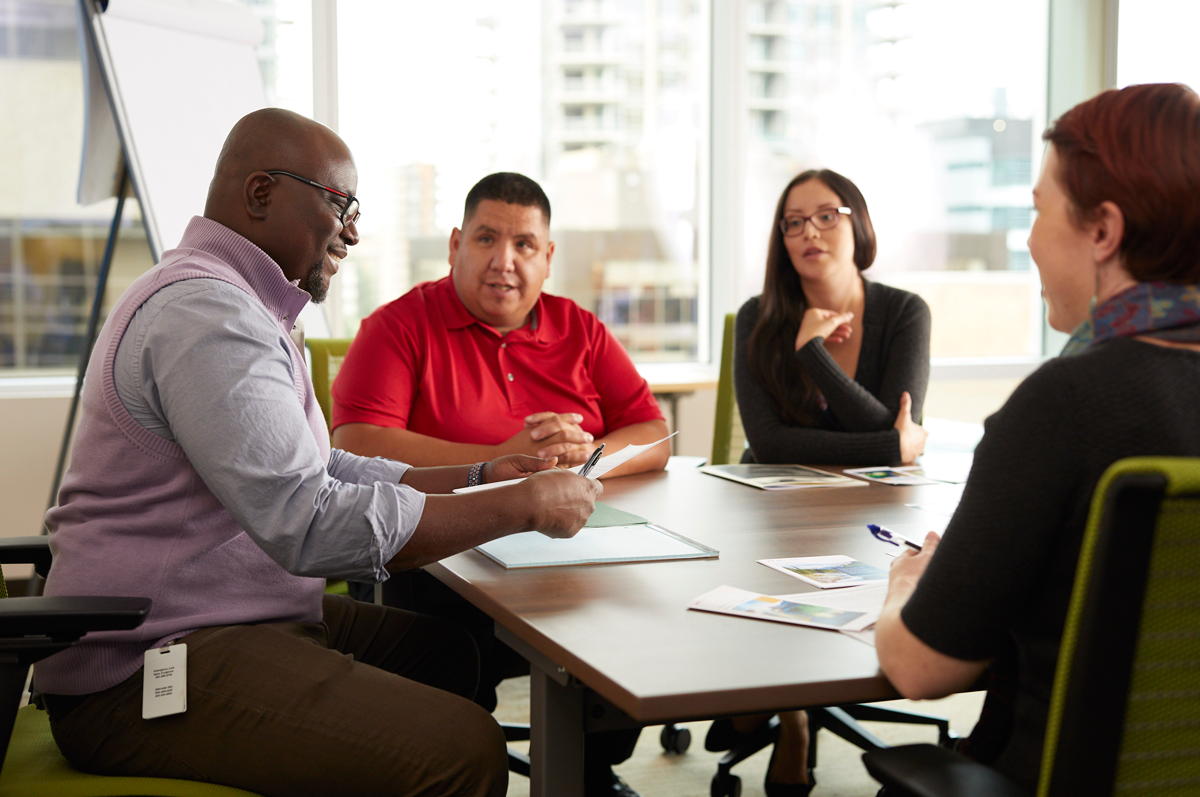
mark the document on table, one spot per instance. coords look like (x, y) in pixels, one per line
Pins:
(808, 610)
(602, 467)
(868, 599)
(641, 542)
(908, 474)
(827, 572)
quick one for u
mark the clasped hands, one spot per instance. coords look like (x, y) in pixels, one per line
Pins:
(553, 434)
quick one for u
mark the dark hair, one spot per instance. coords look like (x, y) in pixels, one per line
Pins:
(771, 345)
(509, 187)
(1138, 147)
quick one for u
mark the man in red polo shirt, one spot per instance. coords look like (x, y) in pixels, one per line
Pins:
(482, 363)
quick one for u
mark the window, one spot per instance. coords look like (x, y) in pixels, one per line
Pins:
(1156, 44)
(51, 248)
(600, 103)
(935, 109)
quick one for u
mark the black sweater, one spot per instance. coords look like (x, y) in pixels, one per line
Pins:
(858, 428)
(999, 585)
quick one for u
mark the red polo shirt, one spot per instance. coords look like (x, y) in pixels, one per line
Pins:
(424, 363)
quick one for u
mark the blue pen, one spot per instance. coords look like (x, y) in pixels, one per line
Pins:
(887, 535)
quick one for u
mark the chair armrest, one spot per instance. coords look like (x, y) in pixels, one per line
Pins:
(925, 770)
(19, 550)
(64, 618)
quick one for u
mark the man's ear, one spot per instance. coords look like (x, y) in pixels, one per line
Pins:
(1107, 231)
(455, 241)
(549, 257)
(256, 194)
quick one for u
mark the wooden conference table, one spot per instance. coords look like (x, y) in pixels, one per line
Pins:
(613, 645)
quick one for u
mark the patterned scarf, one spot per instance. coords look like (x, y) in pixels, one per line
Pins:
(1159, 309)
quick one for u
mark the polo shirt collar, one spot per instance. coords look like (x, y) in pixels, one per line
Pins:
(459, 317)
(284, 298)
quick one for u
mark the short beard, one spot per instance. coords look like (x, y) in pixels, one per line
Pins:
(314, 283)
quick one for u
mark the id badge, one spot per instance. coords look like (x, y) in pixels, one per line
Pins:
(164, 681)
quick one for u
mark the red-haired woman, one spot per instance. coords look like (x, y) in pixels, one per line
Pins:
(1118, 223)
(829, 367)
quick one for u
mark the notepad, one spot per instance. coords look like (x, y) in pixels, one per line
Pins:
(641, 542)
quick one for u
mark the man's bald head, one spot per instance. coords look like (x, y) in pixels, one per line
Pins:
(288, 219)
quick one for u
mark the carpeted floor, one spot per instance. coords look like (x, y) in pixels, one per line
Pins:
(840, 772)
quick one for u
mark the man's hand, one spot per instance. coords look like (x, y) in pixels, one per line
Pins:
(515, 466)
(551, 434)
(561, 502)
(829, 324)
(912, 434)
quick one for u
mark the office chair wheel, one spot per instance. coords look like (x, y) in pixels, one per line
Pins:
(726, 786)
(675, 738)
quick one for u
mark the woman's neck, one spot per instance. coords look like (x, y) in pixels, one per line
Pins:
(838, 294)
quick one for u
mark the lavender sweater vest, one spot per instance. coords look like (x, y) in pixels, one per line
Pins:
(134, 517)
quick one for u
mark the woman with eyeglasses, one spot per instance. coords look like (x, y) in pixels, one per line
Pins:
(830, 368)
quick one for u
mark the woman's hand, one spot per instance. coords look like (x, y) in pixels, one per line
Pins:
(515, 466)
(829, 324)
(912, 434)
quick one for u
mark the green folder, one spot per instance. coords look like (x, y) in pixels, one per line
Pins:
(606, 515)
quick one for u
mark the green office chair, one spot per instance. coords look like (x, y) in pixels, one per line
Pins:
(32, 629)
(327, 356)
(729, 440)
(1132, 724)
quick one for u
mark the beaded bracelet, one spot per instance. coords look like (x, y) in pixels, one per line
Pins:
(475, 475)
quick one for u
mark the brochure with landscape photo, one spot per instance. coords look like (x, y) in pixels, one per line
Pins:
(743, 603)
(909, 474)
(828, 572)
(779, 477)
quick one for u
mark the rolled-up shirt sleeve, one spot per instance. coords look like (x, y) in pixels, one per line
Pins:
(213, 368)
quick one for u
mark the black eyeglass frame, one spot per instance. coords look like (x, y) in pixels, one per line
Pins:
(804, 220)
(351, 199)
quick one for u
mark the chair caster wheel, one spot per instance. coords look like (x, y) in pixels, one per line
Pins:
(726, 786)
(675, 738)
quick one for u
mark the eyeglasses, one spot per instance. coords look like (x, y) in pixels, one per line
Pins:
(350, 212)
(824, 219)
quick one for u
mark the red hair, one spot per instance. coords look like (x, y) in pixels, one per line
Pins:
(1138, 147)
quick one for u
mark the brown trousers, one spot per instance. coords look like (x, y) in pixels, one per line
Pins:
(372, 701)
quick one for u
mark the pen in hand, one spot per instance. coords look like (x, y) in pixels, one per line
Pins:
(887, 535)
(592, 460)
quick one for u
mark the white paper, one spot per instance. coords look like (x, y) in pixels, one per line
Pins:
(602, 467)
(809, 611)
